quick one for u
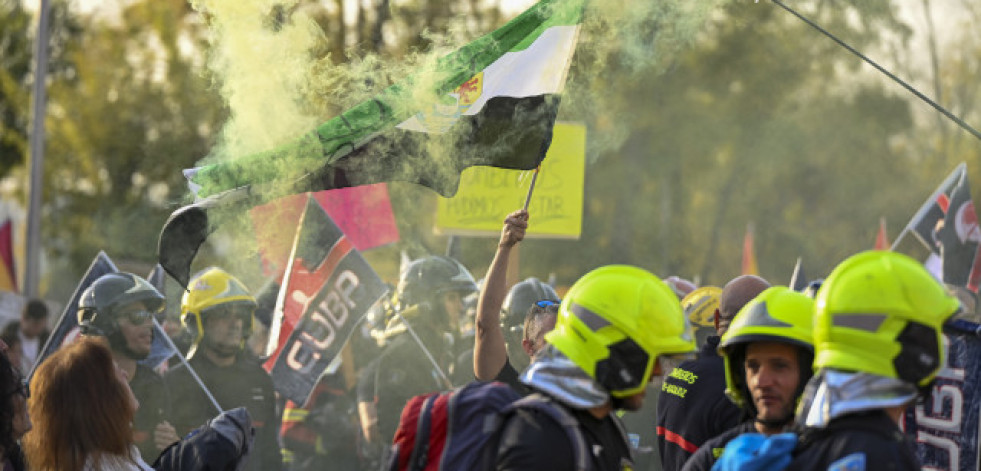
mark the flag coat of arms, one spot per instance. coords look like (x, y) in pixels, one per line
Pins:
(492, 102)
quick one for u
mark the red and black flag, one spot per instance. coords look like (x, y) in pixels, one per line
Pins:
(327, 289)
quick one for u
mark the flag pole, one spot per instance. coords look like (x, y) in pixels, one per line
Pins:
(187, 365)
(899, 238)
(276, 322)
(531, 188)
(425, 350)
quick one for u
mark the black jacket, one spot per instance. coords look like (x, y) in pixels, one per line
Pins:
(220, 445)
(533, 441)
(692, 407)
(710, 451)
(510, 376)
(401, 372)
(871, 438)
(154, 396)
(243, 384)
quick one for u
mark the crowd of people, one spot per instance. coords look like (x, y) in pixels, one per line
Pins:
(627, 370)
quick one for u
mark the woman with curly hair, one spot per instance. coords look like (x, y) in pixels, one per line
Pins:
(82, 407)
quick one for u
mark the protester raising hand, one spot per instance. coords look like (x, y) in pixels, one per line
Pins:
(490, 354)
(515, 226)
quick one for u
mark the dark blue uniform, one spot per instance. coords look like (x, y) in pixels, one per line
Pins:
(856, 442)
(710, 451)
(692, 407)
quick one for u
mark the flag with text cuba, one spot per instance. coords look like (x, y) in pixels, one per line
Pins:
(327, 289)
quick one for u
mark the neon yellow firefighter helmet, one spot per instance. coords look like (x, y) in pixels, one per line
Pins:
(615, 321)
(214, 291)
(778, 314)
(881, 312)
(700, 305)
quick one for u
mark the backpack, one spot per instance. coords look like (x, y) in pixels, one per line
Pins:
(458, 430)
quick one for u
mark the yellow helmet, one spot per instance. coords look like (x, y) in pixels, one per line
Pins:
(615, 321)
(881, 312)
(778, 314)
(209, 291)
(700, 305)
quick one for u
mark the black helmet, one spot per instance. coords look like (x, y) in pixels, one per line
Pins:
(427, 278)
(100, 301)
(812, 288)
(520, 299)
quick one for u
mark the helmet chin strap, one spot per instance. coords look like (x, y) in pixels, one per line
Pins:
(118, 343)
(133, 355)
(219, 350)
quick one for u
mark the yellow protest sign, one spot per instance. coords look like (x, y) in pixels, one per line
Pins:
(488, 194)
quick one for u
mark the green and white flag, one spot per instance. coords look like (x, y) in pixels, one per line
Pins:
(492, 102)
(499, 99)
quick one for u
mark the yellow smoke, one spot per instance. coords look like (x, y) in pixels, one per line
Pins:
(267, 57)
(260, 65)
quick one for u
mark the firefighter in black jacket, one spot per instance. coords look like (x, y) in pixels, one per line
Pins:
(692, 406)
(614, 326)
(768, 353)
(878, 346)
(879, 341)
(218, 311)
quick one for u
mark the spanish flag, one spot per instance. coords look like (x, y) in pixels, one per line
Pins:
(8, 272)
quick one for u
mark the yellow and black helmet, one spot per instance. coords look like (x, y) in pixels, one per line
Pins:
(615, 321)
(882, 313)
(700, 305)
(211, 291)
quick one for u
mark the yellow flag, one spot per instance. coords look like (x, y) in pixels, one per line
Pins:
(488, 194)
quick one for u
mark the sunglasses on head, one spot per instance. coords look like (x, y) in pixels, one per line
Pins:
(545, 303)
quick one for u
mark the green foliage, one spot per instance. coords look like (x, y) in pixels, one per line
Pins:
(701, 119)
(15, 57)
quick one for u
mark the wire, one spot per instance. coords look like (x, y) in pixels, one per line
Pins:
(905, 85)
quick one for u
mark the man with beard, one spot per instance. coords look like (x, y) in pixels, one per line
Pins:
(218, 311)
(120, 307)
(767, 352)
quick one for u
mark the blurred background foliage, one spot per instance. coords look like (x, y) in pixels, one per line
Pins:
(757, 119)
